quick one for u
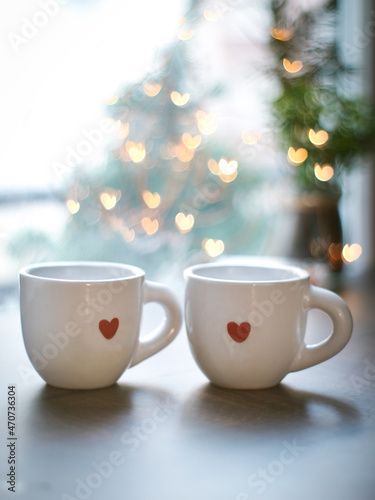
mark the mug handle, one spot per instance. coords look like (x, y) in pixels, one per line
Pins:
(167, 330)
(335, 307)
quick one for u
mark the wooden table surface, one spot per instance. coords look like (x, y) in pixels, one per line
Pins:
(164, 432)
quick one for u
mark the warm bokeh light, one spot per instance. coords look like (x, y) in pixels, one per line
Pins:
(179, 99)
(183, 153)
(323, 173)
(73, 206)
(350, 253)
(250, 138)
(318, 138)
(152, 200)
(112, 100)
(150, 226)
(191, 142)
(137, 152)
(127, 234)
(213, 166)
(213, 248)
(184, 222)
(292, 67)
(152, 89)
(228, 177)
(108, 200)
(297, 156)
(281, 34)
(228, 167)
(184, 35)
(123, 130)
(211, 16)
(206, 122)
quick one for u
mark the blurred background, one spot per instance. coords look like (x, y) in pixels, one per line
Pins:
(163, 134)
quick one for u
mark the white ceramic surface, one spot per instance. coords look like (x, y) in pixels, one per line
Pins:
(246, 324)
(81, 321)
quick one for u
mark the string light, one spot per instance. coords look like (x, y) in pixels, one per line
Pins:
(323, 173)
(296, 157)
(292, 67)
(318, 138)
(184, 222)
(152, 200)
(228, 167)
(213, 248)
(350, 253)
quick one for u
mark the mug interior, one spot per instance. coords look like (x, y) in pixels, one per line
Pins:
(246, 274)
(82, 271)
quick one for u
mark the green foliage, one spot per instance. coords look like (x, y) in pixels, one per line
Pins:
(316, 97)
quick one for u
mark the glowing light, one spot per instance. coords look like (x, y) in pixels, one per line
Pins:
(152, 89)
(178, 99)
(123, 130)
(181, 21)
(297, 156)
(249, 138)
(318, 138)
(228, 167)
(350, 253)
(191, 142)
(73, 206)
(137, 152)
(152, 200)
(112, 100)
(211, 16)
(228, 177)
(281, 34)
(213, 248)
(184, 34)
(150, 226)
(184, 222)
(213, 166)
(323, 173)
(127, 234)
(206, 122)
(183, 153)
(292, 67)
(108, 200)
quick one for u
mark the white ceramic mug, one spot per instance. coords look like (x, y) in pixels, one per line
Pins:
(81, 321)
(246, 324)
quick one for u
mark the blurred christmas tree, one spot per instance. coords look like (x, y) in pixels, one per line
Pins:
(170, 189)
(323, 128)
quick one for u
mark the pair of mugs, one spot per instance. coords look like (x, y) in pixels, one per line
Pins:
(245, 324)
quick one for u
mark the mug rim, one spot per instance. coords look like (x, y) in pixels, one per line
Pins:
(299, 273)
(26, 271)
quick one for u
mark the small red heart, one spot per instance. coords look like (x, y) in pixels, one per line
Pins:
(108, 328)
(239, 333)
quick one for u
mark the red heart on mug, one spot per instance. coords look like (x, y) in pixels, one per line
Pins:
(108, 328)
(239, 333)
